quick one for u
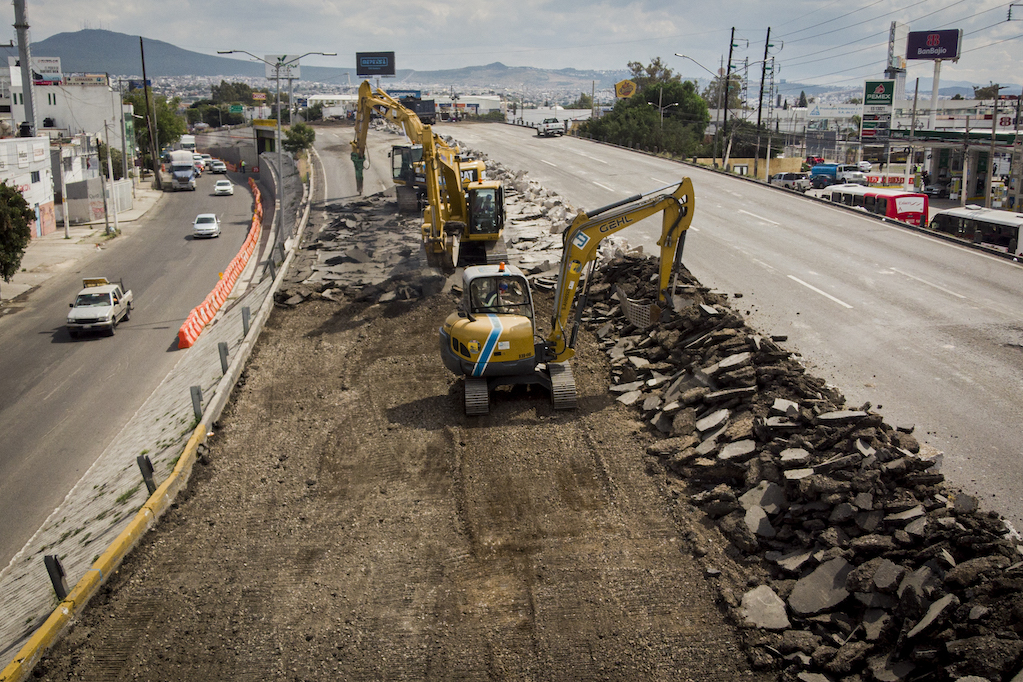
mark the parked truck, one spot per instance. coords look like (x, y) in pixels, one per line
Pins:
(99, 307)
(179, 170)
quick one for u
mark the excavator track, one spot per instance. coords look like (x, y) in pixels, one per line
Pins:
(563, 395)
(477, 397)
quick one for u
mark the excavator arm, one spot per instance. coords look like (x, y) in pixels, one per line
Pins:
(584, 235)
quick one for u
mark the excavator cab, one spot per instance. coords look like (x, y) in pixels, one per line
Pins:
(404, 158)
(487, 214)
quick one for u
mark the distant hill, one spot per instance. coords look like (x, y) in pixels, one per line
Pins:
(99, 51)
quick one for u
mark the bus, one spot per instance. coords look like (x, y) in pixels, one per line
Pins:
(906, 207)
(988, 227)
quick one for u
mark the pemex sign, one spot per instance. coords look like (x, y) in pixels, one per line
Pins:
(878, 100)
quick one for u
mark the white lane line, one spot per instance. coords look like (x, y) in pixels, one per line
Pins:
(758, 217)
(549, 163)
(822, 293)
(609, 189)
(593, 158)
(659, 180)
(930, 284)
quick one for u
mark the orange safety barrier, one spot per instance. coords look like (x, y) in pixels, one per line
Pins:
(202, 314)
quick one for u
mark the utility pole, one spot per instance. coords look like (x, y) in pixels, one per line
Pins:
(912, 130)
(966, 164)
(63, 189)
(991, 156)
(150, 120)
(727, 87)
(760, 105)
(110, 183)
(25, 55)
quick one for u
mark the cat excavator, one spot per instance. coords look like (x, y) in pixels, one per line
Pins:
(492, 338)
(464, 213)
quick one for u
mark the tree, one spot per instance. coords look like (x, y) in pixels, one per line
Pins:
(854, 100)
(802, 99)
(989, 91)
(637, 122)
(714, 90)
(170, 126)
(655, 72)
(313, 113)
(15, 230)
(232, 93)
(116, 161)
(298, 137)
(584, 102)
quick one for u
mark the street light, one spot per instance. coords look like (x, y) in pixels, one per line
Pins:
(277, 66)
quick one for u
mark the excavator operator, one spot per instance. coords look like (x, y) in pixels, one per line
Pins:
(508, 296)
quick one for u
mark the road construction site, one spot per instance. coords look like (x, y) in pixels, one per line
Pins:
(710, 511)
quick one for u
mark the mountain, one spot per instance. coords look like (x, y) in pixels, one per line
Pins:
(99, 51)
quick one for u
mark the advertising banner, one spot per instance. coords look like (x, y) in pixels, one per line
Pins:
(369, 64)
(625, 89)
(934, 44)
(283, 65)
(878, 100)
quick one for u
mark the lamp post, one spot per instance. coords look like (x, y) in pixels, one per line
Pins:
(717, 123)
(281, 63)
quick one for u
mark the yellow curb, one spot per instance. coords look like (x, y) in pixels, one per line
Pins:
(108, 562)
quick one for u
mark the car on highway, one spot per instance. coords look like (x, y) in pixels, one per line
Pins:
(218, 166)
(207, 161)
(799, 182)
(223, 188)
(99, 306)
(865, 166)
(206, 225)
(939, 190)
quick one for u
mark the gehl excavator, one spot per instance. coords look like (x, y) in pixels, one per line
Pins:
(463, 217)
(492, 339)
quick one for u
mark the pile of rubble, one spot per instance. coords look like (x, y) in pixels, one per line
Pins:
(870, 568)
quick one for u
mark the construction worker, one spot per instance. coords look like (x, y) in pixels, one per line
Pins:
(360, 162)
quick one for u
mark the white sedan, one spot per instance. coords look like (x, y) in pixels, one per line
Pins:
(206, 225)
(223, 188)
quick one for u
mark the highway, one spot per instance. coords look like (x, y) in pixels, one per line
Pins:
(61, 400)
(929, 332)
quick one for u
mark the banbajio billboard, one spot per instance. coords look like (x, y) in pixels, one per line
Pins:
(934, 44)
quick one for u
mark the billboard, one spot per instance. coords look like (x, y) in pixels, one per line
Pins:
(45, 70)
(878, 99)
(625, 89)
(368, 64)
(934, 44)
(283, 65)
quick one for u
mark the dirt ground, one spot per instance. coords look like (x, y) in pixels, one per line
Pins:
(349, 522)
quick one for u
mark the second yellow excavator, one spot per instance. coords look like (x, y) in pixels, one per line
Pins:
(464, 213)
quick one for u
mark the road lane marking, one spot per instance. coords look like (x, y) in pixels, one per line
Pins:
(822, 293)
(609, 189)
(549, 163)
(930, 284)
(758, 217)
(659, 180)
(594, 158)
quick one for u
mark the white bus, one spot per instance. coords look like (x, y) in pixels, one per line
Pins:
(988, 227)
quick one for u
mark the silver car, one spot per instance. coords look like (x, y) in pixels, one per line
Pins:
(206, 225)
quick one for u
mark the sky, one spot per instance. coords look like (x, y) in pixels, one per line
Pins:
(833, 42)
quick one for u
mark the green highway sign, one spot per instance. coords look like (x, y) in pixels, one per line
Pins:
(236, 109)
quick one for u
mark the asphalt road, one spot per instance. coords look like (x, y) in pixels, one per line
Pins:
(63, 401)
(930, 333)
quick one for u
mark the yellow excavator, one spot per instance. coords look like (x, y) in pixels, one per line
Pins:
(492, 340)
(464, 213)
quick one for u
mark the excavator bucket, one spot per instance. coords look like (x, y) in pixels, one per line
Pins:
(642, 315)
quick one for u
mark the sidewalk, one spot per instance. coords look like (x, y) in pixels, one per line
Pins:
(51, 254)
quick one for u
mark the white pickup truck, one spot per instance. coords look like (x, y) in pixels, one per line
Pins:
(550, 126)
(99, 306)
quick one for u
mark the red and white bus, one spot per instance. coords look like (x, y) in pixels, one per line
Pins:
(999, 230)
(906, 207)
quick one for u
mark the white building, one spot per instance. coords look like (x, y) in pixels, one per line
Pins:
(65, 105)
(25, 164)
